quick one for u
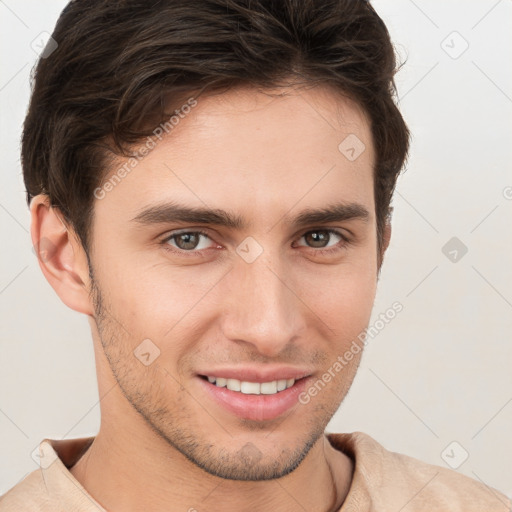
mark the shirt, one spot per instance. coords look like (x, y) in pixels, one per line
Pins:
(382, 481)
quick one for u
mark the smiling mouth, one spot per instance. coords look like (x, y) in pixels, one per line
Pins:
(251, 388)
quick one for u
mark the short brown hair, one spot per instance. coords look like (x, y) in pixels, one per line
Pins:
(119, 63)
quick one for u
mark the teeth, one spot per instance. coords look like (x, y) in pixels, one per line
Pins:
(233, 385)
(221, 382)
(269, 388)
(250, 388)
(253, 388)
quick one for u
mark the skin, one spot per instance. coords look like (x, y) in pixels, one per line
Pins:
(162, 442)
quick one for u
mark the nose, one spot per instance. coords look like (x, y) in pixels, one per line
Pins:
(263, 310)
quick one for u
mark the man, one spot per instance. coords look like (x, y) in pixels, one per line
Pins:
(210, 183)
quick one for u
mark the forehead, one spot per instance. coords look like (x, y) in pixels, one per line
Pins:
(256, 152)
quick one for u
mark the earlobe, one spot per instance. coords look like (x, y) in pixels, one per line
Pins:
(61, 256)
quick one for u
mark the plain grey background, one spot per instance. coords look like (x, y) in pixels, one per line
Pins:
(436, 382)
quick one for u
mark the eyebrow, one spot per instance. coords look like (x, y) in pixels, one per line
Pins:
(175, 212)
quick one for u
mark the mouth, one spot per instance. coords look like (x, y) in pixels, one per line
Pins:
(257, 401)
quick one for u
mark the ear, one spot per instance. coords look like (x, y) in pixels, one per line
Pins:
(61, 256)
(386, 238)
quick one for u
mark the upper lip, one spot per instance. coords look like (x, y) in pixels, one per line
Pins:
(255, 374)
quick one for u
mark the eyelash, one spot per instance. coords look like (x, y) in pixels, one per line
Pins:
(195, 253)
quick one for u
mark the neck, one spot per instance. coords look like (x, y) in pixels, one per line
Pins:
(133, 472)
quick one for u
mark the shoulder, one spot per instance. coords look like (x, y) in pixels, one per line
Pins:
(28, 495)
(52, 487)
(388, 477)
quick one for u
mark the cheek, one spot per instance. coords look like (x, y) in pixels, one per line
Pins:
(348, 314)
(159, 301)
(142, 282)
(342, 295)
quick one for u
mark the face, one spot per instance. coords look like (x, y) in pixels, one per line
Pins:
(261, 287)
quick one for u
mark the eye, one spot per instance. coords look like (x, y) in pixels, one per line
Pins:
(321, 238)
(186, 241)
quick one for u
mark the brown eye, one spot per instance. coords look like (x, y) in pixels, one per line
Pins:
(187, 241)
(320, 238)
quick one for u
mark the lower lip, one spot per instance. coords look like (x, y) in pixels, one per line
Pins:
(255, 407)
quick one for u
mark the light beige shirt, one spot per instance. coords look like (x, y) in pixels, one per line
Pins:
(382, 481)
